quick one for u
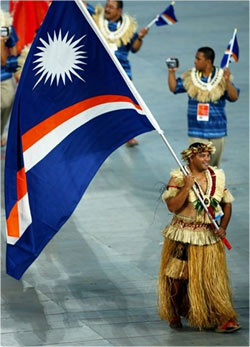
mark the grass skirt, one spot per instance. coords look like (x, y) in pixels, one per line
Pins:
(193, 282)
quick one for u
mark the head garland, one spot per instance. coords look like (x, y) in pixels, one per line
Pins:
(196, 148)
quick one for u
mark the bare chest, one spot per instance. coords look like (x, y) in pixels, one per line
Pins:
(202, 183)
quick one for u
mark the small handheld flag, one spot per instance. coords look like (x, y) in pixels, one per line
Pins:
(231, 52)
(166, 17)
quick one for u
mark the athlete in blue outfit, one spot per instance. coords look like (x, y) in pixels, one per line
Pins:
(208, 88)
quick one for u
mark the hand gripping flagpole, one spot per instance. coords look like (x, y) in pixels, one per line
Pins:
(223, 239)
(231, 48)
(156, 18)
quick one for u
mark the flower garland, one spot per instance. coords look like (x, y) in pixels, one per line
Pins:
(124, 32)
(195, 75)
(204, 91)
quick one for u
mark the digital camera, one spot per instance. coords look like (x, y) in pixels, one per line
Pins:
(172, 63)
(5, 31)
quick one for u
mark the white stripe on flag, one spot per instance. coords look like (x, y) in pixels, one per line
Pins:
(46, 144)
(166, 20)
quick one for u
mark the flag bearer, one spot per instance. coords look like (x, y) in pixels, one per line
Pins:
(193, 278)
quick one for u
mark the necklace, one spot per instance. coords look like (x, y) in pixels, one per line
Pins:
(205, 195)
(211, 82)
(121, 29)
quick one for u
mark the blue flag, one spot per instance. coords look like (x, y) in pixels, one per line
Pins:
(166, 17)
(233, 52)
(74, 106)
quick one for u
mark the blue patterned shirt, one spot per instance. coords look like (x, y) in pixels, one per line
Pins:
(216, 127)
(123, 51)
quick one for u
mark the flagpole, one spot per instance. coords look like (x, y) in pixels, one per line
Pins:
(152, 22)
(155, 19)
(231, 47)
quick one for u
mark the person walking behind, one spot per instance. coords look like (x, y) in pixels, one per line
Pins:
(208, 87)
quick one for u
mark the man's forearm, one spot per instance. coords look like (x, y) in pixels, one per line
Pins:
(171, 81)
(3, 53)
(231, 91)
(227, 209)
(139, 40)
(137, 45)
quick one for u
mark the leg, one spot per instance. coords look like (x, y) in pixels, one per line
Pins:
(208, 287)
(179, 301)
(5, 112)
(172, 283)
(197, 139)
(219, 145)
(7, 97)
(175, 294)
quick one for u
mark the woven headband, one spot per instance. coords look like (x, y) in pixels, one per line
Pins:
(202, 147)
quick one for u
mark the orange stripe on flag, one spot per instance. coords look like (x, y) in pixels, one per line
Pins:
(169, 18)
(234, 56)
(21, 184)
(13, 222)
(40, 130)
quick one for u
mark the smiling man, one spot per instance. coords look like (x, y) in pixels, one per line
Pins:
(193, 278)
(208, 88)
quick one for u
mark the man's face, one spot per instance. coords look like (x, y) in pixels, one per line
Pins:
(112, 12)
(200, 62)
(200, 161)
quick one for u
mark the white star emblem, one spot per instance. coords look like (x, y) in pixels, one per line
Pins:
(59, 58)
